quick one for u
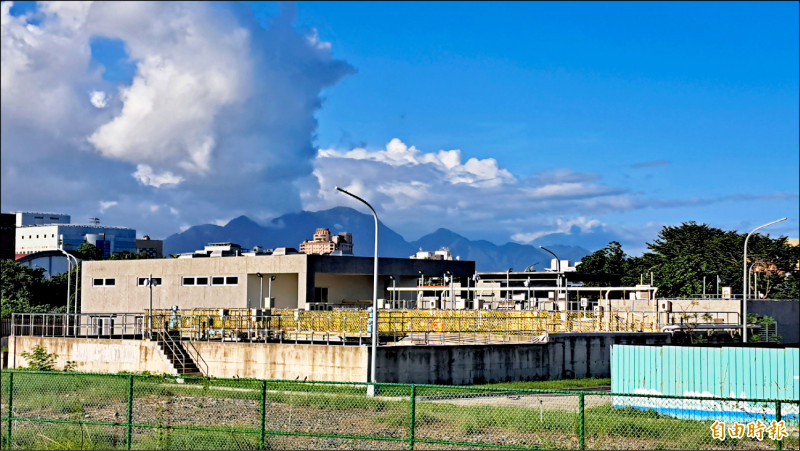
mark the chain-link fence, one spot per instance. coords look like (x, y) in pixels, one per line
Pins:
(61, 410)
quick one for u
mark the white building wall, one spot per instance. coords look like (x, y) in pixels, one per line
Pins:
(32, 239)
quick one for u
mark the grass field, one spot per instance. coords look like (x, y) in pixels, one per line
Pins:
(79, 411)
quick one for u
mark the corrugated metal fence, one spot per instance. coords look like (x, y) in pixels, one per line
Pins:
(728, 372)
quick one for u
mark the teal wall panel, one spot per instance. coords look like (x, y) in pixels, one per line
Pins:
(719, 372)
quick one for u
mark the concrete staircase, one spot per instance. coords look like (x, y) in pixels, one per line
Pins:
(169, 343)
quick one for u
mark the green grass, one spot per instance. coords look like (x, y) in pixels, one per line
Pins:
(74, 397)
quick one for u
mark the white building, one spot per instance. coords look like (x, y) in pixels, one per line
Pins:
(38, 238)
(441, 254)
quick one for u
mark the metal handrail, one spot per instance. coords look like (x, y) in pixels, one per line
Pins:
(199, 359)
(174, 348)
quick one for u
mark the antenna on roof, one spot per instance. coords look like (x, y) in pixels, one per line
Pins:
(94, 220)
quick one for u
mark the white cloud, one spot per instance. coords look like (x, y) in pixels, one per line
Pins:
(145, 175)
(219, 112)
(412, 190)
(105, 205)
(98, 99)
(585, 225)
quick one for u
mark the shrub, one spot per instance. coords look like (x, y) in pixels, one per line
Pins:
(40, 359)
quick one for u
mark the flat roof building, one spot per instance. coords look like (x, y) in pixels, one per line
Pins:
(36, 238)
(306, 281)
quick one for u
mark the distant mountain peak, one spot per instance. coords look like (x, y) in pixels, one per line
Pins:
(241, 221)
(291, 229)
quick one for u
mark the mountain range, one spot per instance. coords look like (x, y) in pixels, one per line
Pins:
(291, 229)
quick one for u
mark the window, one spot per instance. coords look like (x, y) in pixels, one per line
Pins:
(104, 282)
(142, 281)
(320, 294)
(224, 280)
(194, 281)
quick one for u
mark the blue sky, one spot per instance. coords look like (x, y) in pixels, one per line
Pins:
(605, 118)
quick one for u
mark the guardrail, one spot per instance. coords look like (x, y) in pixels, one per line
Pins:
(353, 327)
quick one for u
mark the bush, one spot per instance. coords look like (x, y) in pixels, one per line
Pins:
(40, 359)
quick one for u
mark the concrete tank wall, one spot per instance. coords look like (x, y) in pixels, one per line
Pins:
(285, 361)
(564, 356)
(93, 355)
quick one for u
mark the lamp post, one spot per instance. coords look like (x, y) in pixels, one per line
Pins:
(744, 278)
(448, 279)
(508, 286)
(150, 281)
(374, 291)
(475, 300)
(260, 288)
(558, 270)
(393, 290)
(69, 285)
(269, 292)
(419, 288)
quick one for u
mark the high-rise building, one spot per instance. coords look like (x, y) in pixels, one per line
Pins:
(325, 243)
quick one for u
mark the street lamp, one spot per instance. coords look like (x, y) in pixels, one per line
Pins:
(69, 284)
(374, 290)
(269, 290)
(558, 270)
(260, 288)
(150, 282)
(448, 279)
(744, 279)
(393, 290)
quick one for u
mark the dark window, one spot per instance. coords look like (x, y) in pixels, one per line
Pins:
(110, 282)
(320, 294)
(188, 280)
(217, 280)
(202, 281)
(232, 280)
(97, 282)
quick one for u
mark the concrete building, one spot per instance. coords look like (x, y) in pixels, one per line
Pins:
(36, 238)
(153, 248)
(324, 243)
(441, 254)
(306, 281)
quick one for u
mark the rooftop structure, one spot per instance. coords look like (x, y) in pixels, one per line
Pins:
(442, 254)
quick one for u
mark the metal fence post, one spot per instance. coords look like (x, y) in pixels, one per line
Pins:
(129, 439)
(10, 407)
(263, 414)
(413, 401)
(581, 418)
(778, 443)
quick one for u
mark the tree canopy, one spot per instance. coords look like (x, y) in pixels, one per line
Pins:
(682, 255)
(26, 289)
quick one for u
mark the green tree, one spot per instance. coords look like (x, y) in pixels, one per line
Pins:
(88, 251)
(682, 255)
(26, 289)
(608, 261)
